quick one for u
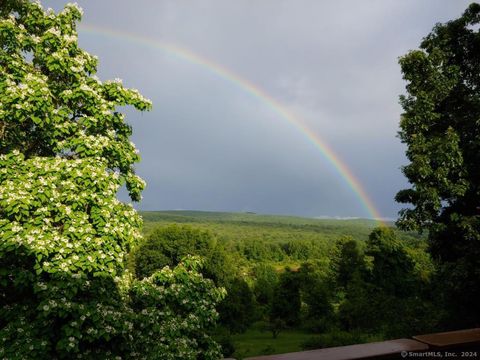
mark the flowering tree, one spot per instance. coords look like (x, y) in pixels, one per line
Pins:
(64, 152)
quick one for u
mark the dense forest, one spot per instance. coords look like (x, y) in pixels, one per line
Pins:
(325, 282)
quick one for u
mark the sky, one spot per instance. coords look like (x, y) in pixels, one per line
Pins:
(211, 143)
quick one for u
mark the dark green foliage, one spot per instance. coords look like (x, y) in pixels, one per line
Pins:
(254, 250)
(265, 282)
(317, 293)
(348, 262)
(224, 339)
(386, 292)
(166, 246)
(356, 311)
(350, 271)
(298, 250)
(286, 299)
(441, 128)
(392, 270)
(237, 309)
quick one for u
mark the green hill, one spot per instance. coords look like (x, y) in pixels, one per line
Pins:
(276, 238)
(237, 226)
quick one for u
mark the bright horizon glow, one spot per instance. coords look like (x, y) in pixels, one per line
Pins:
(252, 89)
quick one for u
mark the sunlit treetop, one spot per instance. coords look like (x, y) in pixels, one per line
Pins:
(64, 153)
(52, 104)
(440, 124)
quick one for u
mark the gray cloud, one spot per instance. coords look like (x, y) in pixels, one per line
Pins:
(208, 144)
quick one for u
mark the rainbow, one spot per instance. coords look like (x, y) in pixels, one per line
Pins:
(247, 86)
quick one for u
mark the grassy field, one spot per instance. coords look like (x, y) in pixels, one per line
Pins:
(256, 342)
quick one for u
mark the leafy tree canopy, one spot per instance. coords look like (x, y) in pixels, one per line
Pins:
(168, 245)
(441, 128)
(237, 309)
(286, 301)
(52, 102)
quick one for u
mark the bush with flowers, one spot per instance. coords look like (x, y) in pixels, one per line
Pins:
(64, 236)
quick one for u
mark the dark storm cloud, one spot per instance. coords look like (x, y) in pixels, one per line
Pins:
(210, 145)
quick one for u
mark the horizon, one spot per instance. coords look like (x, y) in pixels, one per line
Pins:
(319, 217)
